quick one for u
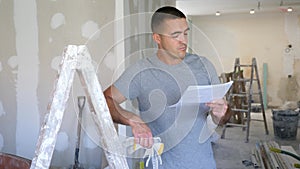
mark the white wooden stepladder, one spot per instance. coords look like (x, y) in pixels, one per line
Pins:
(77, 59)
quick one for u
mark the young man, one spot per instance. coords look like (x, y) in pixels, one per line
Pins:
(158, 82)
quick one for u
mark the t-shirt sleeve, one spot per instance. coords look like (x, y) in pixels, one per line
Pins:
(128, 83)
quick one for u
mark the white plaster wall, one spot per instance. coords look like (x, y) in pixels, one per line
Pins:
(33, 36)
(263, 35)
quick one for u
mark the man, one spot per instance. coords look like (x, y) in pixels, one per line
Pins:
(157, 83)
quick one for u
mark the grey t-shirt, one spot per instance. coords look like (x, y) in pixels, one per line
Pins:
(157, 86)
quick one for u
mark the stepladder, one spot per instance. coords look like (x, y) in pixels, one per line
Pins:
(241, 97)
(76, 59)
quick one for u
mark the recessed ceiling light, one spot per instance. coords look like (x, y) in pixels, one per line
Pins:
(252, 11)
(218, 13)
(290, 9)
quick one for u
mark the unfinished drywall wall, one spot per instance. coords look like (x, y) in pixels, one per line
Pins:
(8, 78)
(263, 35)
(33, 36)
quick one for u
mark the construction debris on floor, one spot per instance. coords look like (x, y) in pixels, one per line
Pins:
(270, 155)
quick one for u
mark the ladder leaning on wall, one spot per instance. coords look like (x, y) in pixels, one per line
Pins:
(245, 95)
(77, 59)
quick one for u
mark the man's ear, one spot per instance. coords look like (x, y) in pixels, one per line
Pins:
(156, 38)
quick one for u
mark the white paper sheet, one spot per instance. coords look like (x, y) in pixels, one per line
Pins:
(204, 94)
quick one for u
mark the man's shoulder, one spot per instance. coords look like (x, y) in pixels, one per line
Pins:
(140, 65)
(191, 58)
(138, 62)
(147, 60)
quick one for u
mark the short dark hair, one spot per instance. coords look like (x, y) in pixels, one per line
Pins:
(163, 13)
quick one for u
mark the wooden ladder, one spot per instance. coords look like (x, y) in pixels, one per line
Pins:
(240, 99)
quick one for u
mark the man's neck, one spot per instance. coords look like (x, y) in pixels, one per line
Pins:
(168, 58)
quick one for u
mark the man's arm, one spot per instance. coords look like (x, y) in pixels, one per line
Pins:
(218, 110)
(140, 130)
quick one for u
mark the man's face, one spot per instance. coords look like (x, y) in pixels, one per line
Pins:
(173, 38)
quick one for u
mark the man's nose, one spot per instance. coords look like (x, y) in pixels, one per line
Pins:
(183, 38)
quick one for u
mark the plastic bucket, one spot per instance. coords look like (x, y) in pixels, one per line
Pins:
(285, 124)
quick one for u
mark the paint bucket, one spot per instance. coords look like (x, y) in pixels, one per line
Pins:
(285, 124)
(13, 162)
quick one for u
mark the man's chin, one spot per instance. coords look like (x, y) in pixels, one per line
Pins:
(182, 55)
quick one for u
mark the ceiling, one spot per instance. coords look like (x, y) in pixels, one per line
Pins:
(209, 7)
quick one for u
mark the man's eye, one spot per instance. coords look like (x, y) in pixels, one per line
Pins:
(175, 35)
(186, 32)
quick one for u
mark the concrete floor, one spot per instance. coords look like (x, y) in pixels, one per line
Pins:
(231, 151)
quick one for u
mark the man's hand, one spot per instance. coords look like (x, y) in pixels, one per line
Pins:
(142, 133)
(218, 109)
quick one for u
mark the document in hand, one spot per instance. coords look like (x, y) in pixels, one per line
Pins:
(204, 93)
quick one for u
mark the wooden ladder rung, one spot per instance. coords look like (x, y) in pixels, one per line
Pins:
(239, 110)
(242, 80)
(239, 95)
(244, 65)
(243, 94)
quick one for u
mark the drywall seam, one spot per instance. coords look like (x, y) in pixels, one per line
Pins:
(119, 50)
(27, 127)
